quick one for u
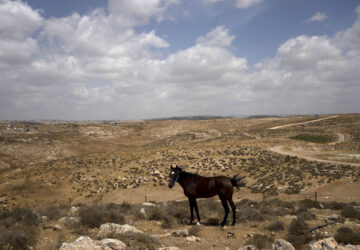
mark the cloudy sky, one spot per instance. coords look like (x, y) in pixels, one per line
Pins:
(134, 59)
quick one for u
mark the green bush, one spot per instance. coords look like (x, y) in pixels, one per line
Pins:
(313, 138)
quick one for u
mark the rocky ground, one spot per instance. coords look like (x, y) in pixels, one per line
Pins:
(65, 164)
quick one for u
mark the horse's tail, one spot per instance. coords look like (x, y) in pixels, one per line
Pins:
(238, 182)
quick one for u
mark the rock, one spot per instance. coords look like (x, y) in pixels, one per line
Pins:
(69, 221)
(74, 210)
(291, 217)
(85, 243)
(281, 244)
(328, 244)
(156, 173)
(193, 239)
(148, 204)
(230, 234)
(81, 243)
(113, 244)
(180, 233)
(168, 248)
(142, 212)
(247, 247)
(110, 230)
(44, 218)
(57, 227)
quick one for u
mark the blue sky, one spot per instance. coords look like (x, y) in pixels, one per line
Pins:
(259, 30)
(99, 59)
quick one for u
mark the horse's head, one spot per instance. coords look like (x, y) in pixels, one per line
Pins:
(174, 175)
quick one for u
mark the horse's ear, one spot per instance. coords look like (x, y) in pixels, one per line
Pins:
(171, 166)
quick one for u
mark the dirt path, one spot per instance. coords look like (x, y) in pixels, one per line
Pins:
(293, 124)
(281, 150)
(341, 138)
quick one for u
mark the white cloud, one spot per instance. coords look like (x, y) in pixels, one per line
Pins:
(17, 20)
(350, 38)
(244, 4)
(89, 67)
(217, 37)
(306, 52)
(138, 12)
(317, 17)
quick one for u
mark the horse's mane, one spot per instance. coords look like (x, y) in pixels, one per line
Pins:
(187, 174)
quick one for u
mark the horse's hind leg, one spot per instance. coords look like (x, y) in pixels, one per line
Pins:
(226, 208)
(197, 210)
(191, 210)
(233, 208)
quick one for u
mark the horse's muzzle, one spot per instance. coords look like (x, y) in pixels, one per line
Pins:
(171, 185)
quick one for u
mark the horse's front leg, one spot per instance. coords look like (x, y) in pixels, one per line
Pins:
(191, 210)
(197, 210)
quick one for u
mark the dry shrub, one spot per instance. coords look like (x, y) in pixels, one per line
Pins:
(334, 205)
(308, 203)
(14, 240)
(20, 215)
(346, 235)
(305, 215)
(298, 227)
(248, 213)
(167, 221)
(298, 235)
(95, 216)
(194, 230)
(276, 226)
(261, 241)
(212, 222)
(53, 213)
(350, 212)
(156, 213)
(139, 241)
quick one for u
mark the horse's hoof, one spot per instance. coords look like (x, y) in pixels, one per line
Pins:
(198, 224)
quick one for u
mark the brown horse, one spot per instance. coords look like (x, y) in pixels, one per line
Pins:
(196, 186)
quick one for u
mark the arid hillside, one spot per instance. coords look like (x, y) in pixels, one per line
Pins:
(59, 165)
